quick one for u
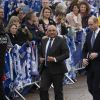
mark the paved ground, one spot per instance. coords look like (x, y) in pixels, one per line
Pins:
(77, 91)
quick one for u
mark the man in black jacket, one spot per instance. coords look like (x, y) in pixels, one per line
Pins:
(52, 55)
(91, 58)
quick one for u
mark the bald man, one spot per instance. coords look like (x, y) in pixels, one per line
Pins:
(54, 51)
(91, 58)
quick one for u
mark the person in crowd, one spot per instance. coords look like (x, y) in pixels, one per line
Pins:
(70, 5)
(85, 13)
(38, 31)
(21, 11)
(16, 11)
(13, 20)
(56, 2)
(91, 58)
(2, 16)
(38, 28)
(24, 35)
(12, 32)
(75, 21)
(45, 3)
(60, 19)
(5, 44)
(21, 15)
(74, 17)
(45, 18)
(31, 31)
(52, 55)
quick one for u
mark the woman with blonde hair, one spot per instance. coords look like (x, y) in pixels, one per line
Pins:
(13, 20)
(45, 18)
(12, 32)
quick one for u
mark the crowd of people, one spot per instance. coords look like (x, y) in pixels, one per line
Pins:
(69, 23)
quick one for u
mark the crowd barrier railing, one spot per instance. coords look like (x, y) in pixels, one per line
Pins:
(21, 68)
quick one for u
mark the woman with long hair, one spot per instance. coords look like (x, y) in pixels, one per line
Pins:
(12, 32)
(45, 18)
(84, 12)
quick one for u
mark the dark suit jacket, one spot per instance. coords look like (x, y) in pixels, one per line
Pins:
(87, 49)
(51, 22)
(60, 52)
(64, 30)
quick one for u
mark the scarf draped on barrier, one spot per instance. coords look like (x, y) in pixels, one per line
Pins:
(21, 64)
(74, 41)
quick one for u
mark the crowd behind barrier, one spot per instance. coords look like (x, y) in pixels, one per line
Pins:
(36, 5)
(21, 65)
(21, 62)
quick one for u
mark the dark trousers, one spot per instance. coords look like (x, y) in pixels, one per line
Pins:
(93, 81)
(46, 80)
(2, 95)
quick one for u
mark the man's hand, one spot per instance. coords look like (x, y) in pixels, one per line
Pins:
(93, 55)
(42, 60)
(85, 62)
(51, 59)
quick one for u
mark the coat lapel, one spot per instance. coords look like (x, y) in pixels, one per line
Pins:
(97, 39)
(44, 44)
(54, 43)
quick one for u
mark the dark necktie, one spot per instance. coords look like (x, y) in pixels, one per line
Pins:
(93, 39)
(48, 51)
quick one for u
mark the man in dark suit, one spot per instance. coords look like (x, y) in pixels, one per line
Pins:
(91, 58)
(54, 51)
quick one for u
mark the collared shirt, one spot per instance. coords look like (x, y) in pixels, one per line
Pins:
(94, 35)
(48, 44)
(96, 32)
(58, 26)
(47, 48)
(59, 29)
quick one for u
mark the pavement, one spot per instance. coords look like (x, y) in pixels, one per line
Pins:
(76, 91)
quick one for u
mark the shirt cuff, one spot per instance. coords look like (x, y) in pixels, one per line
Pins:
(55, 59)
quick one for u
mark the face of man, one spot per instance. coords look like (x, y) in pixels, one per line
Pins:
(51, 31)
(21, 15)
(92, 25)
(33, 16)
(45, 3)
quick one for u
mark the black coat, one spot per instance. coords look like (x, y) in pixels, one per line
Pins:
(87, 49)
(36, 33)
(51, 22)
(13, 38)
(60, 51)
(5, 44)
